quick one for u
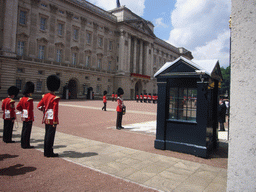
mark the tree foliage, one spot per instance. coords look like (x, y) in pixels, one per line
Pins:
(225, 84)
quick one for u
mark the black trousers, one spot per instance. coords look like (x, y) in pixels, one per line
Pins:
(104, 107)
(25, 134)
(119, 119)
(8, 128)
(49, 139)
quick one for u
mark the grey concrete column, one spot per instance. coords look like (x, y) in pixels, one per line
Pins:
(141, 55)
(121, 51)
(242, 144)
(10, 28)
(129, 52)
(135, 55)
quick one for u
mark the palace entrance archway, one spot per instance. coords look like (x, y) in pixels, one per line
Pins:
(72, 86)
(138, 88)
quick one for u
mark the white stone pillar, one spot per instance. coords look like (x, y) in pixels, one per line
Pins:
(242, 144)
(121, 51)
(129, 53)
(10, 28)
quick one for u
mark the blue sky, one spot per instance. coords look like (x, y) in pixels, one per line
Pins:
(201, 26)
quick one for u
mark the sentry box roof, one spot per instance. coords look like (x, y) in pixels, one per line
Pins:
(183, 67)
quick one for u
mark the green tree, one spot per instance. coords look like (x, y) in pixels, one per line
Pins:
(225, 84)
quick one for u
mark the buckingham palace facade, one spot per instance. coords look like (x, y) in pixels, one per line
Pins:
(87, 47)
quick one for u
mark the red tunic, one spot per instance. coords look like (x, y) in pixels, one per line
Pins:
(49, 104)
(113, 96)
(137, 96)
(26, 106)
(8, 108)
(145, 97)
(141, 96)
(120, 105)
(149, 97)
(104, 99)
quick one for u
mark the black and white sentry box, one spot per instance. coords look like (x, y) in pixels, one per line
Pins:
(187, 106)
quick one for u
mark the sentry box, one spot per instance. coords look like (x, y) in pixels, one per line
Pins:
(187, 106)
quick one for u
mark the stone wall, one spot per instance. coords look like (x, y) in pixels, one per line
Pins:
(242, 146)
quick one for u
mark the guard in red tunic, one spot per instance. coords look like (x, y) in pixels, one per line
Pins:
(113, 96)
(119, 108)
(141, 97)
(27, 108)
(137, 97)
(145, 97)
(8, 108)
(105, 101)
(149, 98)
(116, 97)
(154, 98)
(49, 104)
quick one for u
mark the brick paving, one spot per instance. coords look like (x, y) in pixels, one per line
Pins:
(96, 157)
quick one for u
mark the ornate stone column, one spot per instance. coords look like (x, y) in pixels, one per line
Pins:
(135, 55)
(141, 56)
(10, 28)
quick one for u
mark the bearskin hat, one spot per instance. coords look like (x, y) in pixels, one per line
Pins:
(53, 82)
(28, 88)
(105, 93)
(13, 91)
(120, 91)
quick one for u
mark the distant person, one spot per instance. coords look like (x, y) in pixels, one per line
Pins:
(113, 96)
(26, 106)
(149, 98)
(9, 115)
(49, 104)
(105, 101)
(222, 114)
(145, 97)
(141, 97)
(119, 108)
(137, 97)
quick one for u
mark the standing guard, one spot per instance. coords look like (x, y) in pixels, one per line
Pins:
(145, 97)
(49, 104)
(137, 97)
(105, 101)
(8, 108)
(26, 106)
(120, 108)
(149, 98)
(113, 96)
(141, 97)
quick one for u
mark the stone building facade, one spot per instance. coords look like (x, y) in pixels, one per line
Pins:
(86, 46)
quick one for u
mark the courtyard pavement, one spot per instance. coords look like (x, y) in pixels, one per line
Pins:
(95, 145)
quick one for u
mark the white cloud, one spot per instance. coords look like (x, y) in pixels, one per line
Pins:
(201, 25)
(216, 49)
(136, 6)
(159, 23)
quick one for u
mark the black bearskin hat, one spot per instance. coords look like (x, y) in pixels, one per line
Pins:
(105, 93)
(120, 91)
(13, 91)
(28, 88)
(53, 82)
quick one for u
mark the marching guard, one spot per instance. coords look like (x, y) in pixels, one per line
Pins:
(149, 98)
(141, 97)
(9, 116)
(137, 98)
(120, 108)
(49, 104)
(145, 97)
(105, 101)
(26, 106)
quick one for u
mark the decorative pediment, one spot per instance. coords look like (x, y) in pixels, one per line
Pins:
(75, 48)
(42, 40)
(22, 36)
(141, 25)
(59, 44)
(88, 51)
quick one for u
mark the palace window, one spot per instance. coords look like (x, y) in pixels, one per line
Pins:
(74, 58)
(39, 86)
(41, 52)
(183, 103)
(23, 18)
(87, 61)
(109, 66)
(75, 34)
(19, 83)
(99, 63)
(110, 45)
(20, 49)
(59, 55)
(60, 29)
(100, 42)
(43, 21)
(88, 38)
